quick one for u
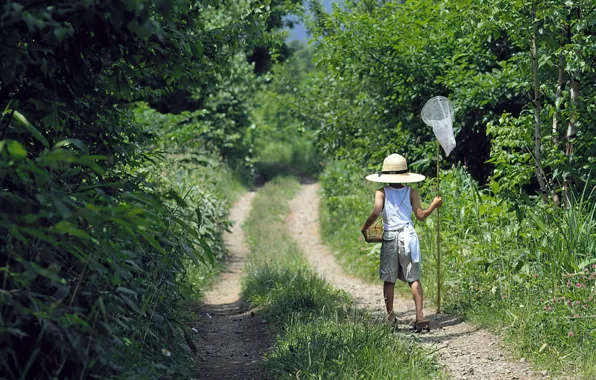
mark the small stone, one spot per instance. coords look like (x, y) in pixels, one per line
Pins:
(470, 371)
(544, 373)
(522, 360)
(252, 313)
(247, 340)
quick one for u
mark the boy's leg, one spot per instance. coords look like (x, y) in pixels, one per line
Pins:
(416, 288)
(388, 293)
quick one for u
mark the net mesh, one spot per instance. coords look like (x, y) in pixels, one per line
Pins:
(438, 113)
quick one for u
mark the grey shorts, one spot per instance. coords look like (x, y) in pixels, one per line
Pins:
(395, 263)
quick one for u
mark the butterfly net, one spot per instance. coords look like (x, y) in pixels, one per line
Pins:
(438, 113)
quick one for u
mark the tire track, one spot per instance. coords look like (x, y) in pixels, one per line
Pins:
(232, 338)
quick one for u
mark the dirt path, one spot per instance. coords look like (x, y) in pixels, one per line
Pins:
(466, 351)
(232, 338)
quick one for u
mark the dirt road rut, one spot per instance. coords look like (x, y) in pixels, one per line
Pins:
(232, 338)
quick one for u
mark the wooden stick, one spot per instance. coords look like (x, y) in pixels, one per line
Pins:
(438, 234)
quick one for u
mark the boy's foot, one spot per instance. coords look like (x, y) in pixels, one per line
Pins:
(391, 319)
(421, 325)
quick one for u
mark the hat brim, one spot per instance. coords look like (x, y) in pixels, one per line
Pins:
(396, 178)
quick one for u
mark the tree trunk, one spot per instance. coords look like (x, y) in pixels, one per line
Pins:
(572, 126)
(558, 100)
(537, 106)
(573, 119)
(560, 87)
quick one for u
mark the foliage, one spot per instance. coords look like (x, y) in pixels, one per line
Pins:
(320, 336)
(95, 274)
(281, 143)
(108, 211)
(378, 62)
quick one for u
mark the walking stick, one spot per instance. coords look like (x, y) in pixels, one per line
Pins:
(438, 113)
(438, 234)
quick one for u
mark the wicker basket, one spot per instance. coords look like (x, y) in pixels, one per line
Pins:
(375, 233)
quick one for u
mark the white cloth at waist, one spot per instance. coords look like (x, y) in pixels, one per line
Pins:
(411, 242)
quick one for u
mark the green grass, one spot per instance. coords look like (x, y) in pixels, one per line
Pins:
(320, 335)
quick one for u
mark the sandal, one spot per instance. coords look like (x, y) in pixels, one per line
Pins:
(421, 325)
(391, 319)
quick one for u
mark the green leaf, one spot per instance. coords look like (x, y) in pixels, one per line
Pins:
(30, 128)
(76, 142)
(151, 241)
(122, 289)
(49, 274)
(16, 150)
(132, 304)
(586, 263)
(65, 227)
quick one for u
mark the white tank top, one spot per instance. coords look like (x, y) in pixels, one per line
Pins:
(397, 212)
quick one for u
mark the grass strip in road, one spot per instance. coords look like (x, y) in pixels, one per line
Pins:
(320, 335)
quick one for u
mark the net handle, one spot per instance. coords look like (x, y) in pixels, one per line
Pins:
(438, 233)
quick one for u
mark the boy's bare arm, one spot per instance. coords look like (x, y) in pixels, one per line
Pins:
(377, 208)
(420, 213)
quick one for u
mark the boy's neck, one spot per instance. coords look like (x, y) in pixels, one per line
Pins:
(396, 185)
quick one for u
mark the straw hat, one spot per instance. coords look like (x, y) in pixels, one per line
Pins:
(395, 170)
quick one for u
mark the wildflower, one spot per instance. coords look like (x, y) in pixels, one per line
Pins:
(594, 266)
(568, 282)
(570, 333)
(578, 285)
(569, 303)
(505, 296)
(541, 299)
(592, 276)
(535, 275)
(166, 352)
(590, 298)
(585, 269)
(554, 299)
(576, 303)
(575, 315)
(549, 308)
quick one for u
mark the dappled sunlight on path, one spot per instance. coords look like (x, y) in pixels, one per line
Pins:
(232, 338)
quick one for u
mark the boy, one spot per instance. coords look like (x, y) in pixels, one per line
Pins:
(400, 250)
